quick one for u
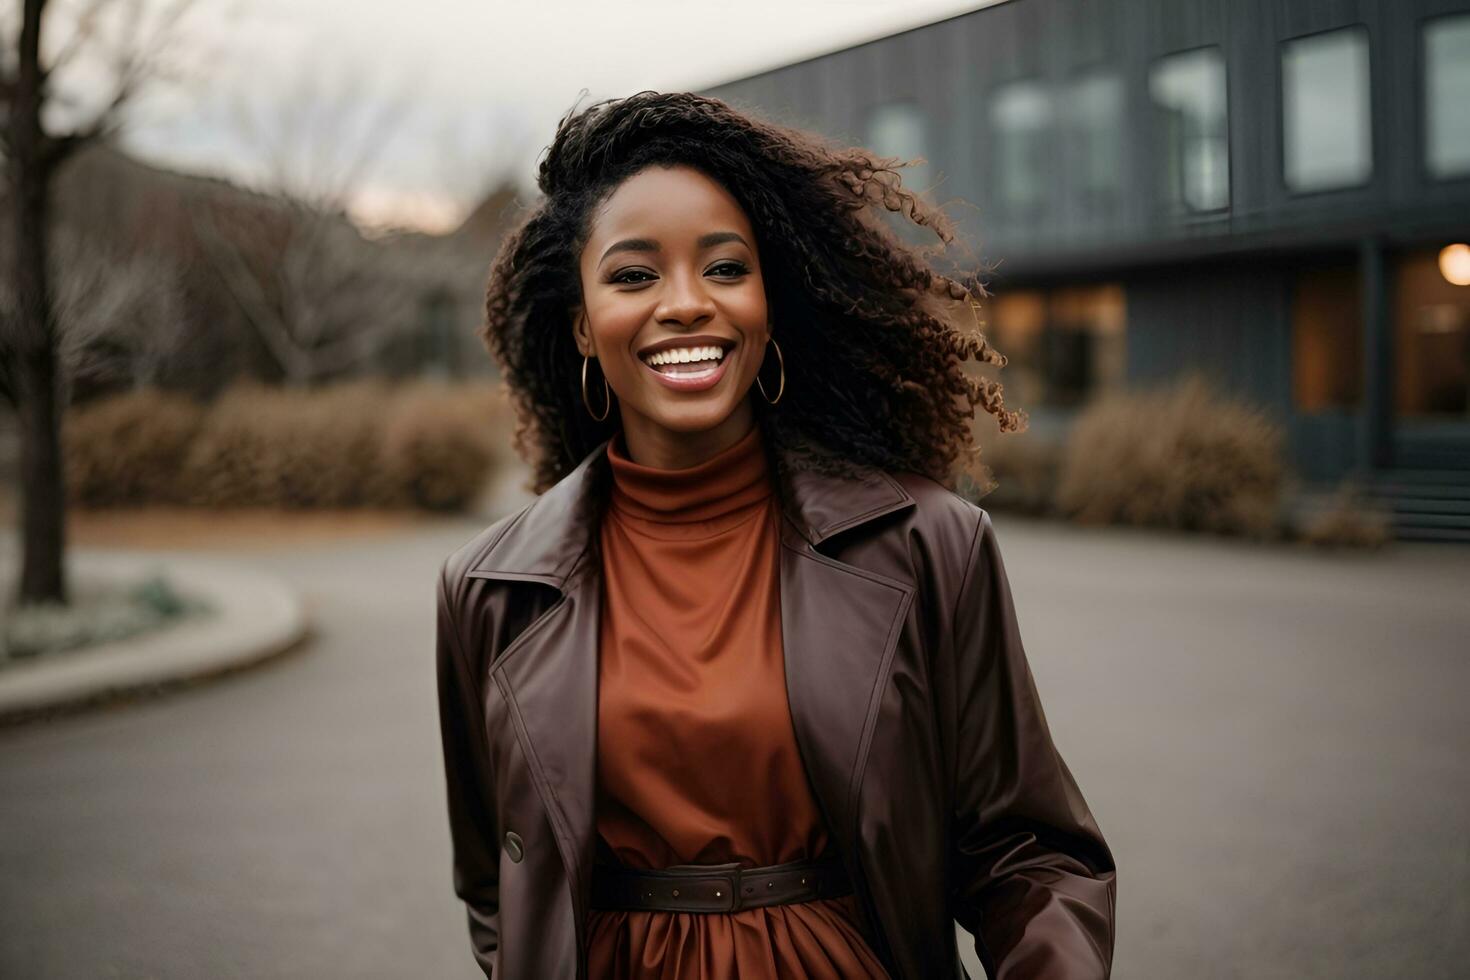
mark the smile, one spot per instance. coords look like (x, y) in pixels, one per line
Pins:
(692, 368)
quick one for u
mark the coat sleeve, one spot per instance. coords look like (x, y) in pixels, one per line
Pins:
(472, 823)
(1031, 877)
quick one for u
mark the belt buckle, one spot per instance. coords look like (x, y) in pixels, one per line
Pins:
(733, 877)
(729, 871)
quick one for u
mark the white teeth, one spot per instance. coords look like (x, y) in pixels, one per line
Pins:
(685, 355)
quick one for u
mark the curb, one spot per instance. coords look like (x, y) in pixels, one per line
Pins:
(258, 617)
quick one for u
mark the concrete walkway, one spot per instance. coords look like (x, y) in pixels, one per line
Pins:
(1273, 741)
(254, 617)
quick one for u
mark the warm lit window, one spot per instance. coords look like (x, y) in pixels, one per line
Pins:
(1327, 339)
(1188, 93)
(1447, 96)
(1014, 325)
(1327, 139)
(1431, 339)
(1093, 110)
(1020, 121)
(1065, 346)
(1085, 355)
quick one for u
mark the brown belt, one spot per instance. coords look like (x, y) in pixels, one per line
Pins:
(717, 887)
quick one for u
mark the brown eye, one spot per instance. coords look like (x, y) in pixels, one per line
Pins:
(731, 269)
(626, 274)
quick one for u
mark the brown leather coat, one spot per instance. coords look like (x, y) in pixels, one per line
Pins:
(914, 710)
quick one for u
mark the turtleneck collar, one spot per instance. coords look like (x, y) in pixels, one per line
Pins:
(732, 482)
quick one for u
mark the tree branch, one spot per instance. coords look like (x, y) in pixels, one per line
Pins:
(136, 62)
(82, 33)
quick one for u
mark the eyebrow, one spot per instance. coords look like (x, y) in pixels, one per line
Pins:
(649, 245)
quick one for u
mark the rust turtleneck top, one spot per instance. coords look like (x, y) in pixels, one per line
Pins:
(697, 760)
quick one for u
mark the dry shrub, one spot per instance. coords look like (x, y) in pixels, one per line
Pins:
(1182, 456)
(274, 447)
(361, 443)
(1347, 521)
(1024, 470)
(438, 445)
(128, 449)
(227, 464)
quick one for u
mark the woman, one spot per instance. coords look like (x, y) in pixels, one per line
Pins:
(742, 693)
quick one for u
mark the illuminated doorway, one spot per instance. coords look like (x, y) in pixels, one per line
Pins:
(1431, 350)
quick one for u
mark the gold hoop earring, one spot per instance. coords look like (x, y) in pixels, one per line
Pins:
(780, 388)
(606, 394)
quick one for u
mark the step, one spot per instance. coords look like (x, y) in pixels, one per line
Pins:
(1408, 475)
(1431, 520)
(1445, 534)
(1421, 505)
(1440, 479)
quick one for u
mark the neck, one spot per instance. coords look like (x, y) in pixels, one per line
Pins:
(650, 444)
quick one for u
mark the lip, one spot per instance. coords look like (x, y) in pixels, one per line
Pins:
(695, 340)
(689, 384)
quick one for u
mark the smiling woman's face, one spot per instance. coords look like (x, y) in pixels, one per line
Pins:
(674, 310)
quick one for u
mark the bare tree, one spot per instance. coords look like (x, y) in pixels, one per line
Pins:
(121, 317)
(44, 125)
(321, 297)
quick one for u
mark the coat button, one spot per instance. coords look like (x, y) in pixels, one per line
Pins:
(514, 846)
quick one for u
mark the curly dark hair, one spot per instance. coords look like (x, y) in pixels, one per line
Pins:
(873, 338)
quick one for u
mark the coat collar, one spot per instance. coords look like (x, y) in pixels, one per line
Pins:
(546, 540)
(840, 627)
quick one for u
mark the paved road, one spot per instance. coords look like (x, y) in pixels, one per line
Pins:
(1273, 741)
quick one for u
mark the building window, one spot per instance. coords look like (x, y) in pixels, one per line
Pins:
(1327, 339)
(1065, 345)
(436, 336)
(898, 129)
(1447, 96)
(1188, 93)
(1093, 111)
(1021, 122)
(1325, 117)
(1015, 322)
(1431, 339)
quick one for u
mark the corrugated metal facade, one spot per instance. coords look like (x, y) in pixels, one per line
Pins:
(1209, 290)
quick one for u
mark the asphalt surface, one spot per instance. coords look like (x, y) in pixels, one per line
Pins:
(1274, 742)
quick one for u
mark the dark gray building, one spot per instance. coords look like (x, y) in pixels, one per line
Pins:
(1275, 192)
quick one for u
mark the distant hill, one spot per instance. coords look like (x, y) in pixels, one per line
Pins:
(131, 207)
(491, 218)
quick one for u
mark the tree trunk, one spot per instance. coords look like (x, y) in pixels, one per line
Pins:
(43, 497)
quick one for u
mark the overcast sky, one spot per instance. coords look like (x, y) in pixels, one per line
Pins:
(477, 86)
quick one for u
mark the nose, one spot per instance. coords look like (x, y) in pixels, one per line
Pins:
(685, 301)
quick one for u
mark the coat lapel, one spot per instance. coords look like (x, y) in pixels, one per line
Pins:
(839, 625)
(839, 629)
